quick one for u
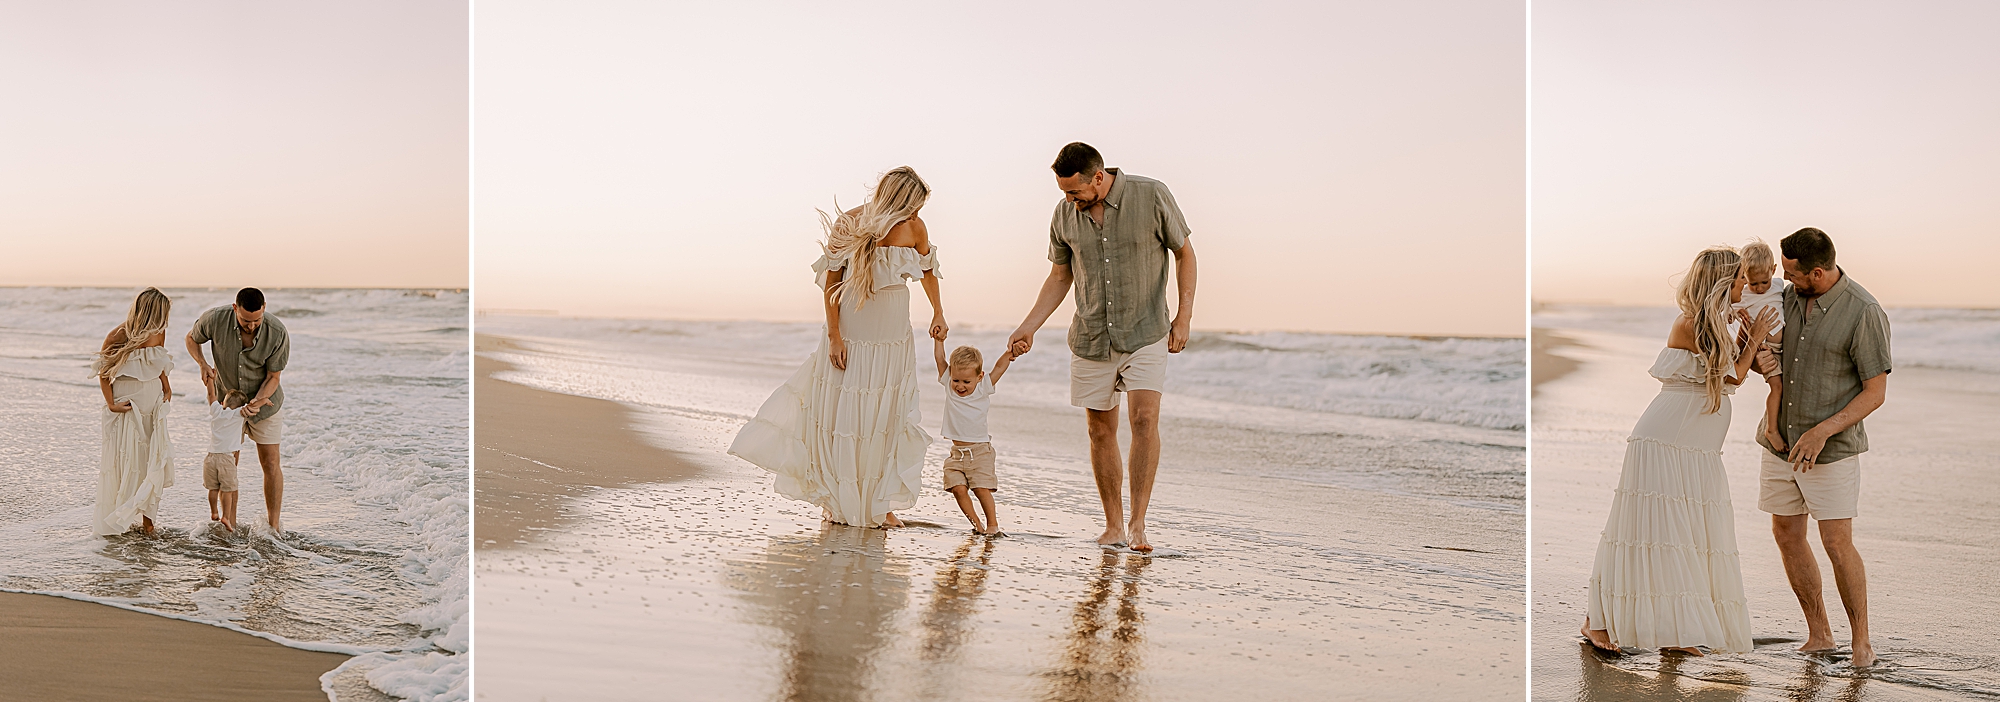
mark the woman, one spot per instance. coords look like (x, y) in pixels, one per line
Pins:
(1667, 575)
(843, 432)
(138, 459)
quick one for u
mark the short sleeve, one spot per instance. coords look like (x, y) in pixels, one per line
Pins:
(1058, 249)
(825, 264)
(1870, 345)
(1173, 227)
(204, 327)
(281, 355)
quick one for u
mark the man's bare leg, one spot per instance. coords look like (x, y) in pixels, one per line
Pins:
(274, 481)
(1803, 572)
(1851, 579)
(1145, 461)
(1109, 471)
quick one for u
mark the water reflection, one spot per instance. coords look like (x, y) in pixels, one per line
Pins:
(834, 599)
(1100, 658)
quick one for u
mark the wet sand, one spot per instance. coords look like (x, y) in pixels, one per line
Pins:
(59, 649)
(1927, 531)
(704, 582)
(1548, 365)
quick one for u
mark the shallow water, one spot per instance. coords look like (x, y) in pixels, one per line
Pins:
(1926, 530)
(373, 558)
(1319, 557)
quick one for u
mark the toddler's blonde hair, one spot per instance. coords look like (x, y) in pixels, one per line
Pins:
(967, 357)
(1757, 257)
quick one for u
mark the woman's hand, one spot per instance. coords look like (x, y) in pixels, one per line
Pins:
(1761, 326)
(836, 351)
(121, 406)
(938, 328)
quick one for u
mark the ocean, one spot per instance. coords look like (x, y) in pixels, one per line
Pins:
(373, 559)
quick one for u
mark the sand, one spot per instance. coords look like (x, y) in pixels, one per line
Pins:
(56, 649)
(698, 579)
(1548, 365)
(1926, 531)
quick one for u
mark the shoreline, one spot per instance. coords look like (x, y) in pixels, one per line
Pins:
(1548, 365)
(62, 649)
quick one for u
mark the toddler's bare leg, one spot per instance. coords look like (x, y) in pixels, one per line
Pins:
(214, 513)
(965, 505)
(992, 510)
(1771, 433)
(229, 510)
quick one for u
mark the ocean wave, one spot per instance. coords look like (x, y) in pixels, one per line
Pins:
(1949, 339)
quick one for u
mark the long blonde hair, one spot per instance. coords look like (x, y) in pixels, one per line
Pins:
(1704, 298)
(148, 317)
(854, 236)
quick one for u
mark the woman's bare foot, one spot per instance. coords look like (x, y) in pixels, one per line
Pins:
(1683, 650)
(1137, 531)
(146, 525)
(891, 522)
(1112, 536)
(1599, 638)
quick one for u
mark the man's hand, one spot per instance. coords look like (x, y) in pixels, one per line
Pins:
(208, 374)
(1807, 449)
(255, 406)
(1177, 336)
(1766, 363)
(1021, 342)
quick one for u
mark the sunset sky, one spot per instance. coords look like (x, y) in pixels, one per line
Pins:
(213, 143)
(1661, 128)
(1349, 167)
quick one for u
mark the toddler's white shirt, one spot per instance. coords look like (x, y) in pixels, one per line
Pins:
(1755, 304)
(965, 417)
(225, 428)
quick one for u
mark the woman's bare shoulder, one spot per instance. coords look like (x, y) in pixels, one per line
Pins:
(1681, 336)
(910, 232)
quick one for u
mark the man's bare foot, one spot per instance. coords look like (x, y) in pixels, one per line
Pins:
(1112, 536)
(1137, 532)
(1864, 655)
(1599, 638)
(891, 522)
(1683, 650)
(274, 526)
(1815, 644)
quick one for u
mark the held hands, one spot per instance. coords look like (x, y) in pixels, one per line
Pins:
(208, 375)
(251, 409)
(1021, 342)
(938, 328)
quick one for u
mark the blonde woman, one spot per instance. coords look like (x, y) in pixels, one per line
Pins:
(1667, 574)
(844, 432)
(138, 459)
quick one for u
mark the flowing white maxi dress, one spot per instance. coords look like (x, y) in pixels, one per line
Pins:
(851, 441)
(138, 459)
(1667, 573)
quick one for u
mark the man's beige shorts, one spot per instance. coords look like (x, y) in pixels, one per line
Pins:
(1828, 491)
(971, 466)
(218, 472)
(1096, 384)
(267, 431)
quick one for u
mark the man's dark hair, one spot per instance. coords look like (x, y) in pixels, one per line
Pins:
(1077, 158)
(1810, 247)
(250, 299)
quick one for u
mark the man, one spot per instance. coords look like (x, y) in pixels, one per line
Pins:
(251, 349)
(1111, 237)
(1836, 371)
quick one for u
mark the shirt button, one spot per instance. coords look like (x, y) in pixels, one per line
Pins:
(1107, 260)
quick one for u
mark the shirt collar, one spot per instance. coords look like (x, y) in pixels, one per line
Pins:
(1116, 198)
(1833, 293)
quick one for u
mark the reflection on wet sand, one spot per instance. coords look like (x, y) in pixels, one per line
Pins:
(1098, 665)
(1603, 680)
(1795, 677)
(834, 598)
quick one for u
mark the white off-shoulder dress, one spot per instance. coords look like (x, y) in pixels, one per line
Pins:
(138, 459)
(1667, 573)
(852, 441)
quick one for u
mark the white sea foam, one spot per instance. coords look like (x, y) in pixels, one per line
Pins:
(374, 561)
(1475, 382)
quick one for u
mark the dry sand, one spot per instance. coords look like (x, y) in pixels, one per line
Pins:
(692, 576)
(1926, 529)
(55, 649)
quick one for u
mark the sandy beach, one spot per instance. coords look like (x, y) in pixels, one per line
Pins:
(1926, 530)
(667, 563)
(59, 649)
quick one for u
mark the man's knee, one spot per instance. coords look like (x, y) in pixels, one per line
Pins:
(1103, 425)
(1789, 529)
(1838, 536)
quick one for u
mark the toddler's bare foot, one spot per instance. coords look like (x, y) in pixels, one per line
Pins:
(228, 525)
(1599, 638)
(1683, 650)
(1776, 439)
(1864, 654)
(1137, 530)
(213, 517)
(1112, 536)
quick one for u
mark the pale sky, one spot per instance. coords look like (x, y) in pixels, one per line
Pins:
(1664, 127)
(219, 143)
(1354, 166)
